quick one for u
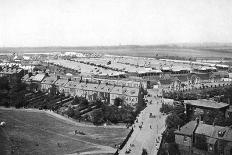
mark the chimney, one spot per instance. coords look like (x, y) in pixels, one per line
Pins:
(69, 79)
(58, 77)
(30, 74)
(46, 74)
(198, 121)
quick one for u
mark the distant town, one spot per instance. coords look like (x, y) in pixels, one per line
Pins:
(164, 104)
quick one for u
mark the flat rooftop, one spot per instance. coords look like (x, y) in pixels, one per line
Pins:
(203, 103)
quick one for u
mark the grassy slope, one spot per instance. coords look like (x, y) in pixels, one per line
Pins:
(38, 133)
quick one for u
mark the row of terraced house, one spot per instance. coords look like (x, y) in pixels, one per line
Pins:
(130, 91)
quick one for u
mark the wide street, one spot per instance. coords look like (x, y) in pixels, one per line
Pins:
(147, 129)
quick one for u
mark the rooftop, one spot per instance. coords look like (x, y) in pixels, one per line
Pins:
(187, 129)
(206, 104)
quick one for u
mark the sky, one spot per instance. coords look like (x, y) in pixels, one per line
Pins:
(113, 22)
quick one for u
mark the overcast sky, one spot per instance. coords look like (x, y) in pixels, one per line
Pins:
(113, 22)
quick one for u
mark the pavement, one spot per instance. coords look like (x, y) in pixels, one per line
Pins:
(148, 128)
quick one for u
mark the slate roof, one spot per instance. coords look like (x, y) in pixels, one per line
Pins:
(72, 84)
(206, 103)
(10, 70)
(91, 86)
(131, 91)
(105, 88)
(61, 82)
(49, 80)
(25, 77)
(38, 77)
(187, 129)
(117, 90)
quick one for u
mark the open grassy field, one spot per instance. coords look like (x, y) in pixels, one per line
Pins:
(39, 133)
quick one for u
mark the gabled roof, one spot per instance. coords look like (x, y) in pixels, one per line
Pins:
(38, 77)
(25, 77)
(10, 70)
(116, 90)
(72, 84)
(49, 80)
(203, 103)
(81, 86)
(131, 91)
(187, 129)
(61, 82)
(91, 86)
(105, 88)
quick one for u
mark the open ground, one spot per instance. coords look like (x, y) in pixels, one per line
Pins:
(30, 132)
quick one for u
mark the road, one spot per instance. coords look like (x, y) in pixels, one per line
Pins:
(149, 136)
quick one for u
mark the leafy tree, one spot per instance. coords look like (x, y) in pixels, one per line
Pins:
(173, 121)
(144, 152)
(97, 117)
(169, 136)
(166, 108)
(118, 101)
(76, 114)
(4, 84)
(70, 112)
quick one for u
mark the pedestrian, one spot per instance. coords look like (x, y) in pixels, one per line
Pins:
(150, 127)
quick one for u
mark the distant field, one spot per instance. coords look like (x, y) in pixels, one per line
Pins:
(39, 133)
(144, 51)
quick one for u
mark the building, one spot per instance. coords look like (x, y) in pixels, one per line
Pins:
(60, 85)
(197, 138)
(104, 92)
(47, 83)
(71, 88)
(204, 104)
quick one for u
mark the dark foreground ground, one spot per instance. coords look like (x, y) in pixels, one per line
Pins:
(39, 133)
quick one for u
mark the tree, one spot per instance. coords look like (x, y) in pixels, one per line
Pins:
(4, 84)
(76, 114)
(144, 152)
(173, 121)
(97, 117)
(214, 117)
(166, 108)
(70, 112)
(118, 101)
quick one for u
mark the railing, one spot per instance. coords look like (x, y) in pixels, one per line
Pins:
(124, 142)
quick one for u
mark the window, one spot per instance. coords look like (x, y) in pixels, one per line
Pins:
(185, 138)
(210, 147)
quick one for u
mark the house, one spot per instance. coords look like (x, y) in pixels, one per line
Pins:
(71, 88)
(197, 138)
(132, 95)
(35, 81)
(60, 85)
(11, 72)
(91, 91)
(47, 83)
(192, 105)
(103, 91)
(184, 137)
(80, 91)
(116, 92)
